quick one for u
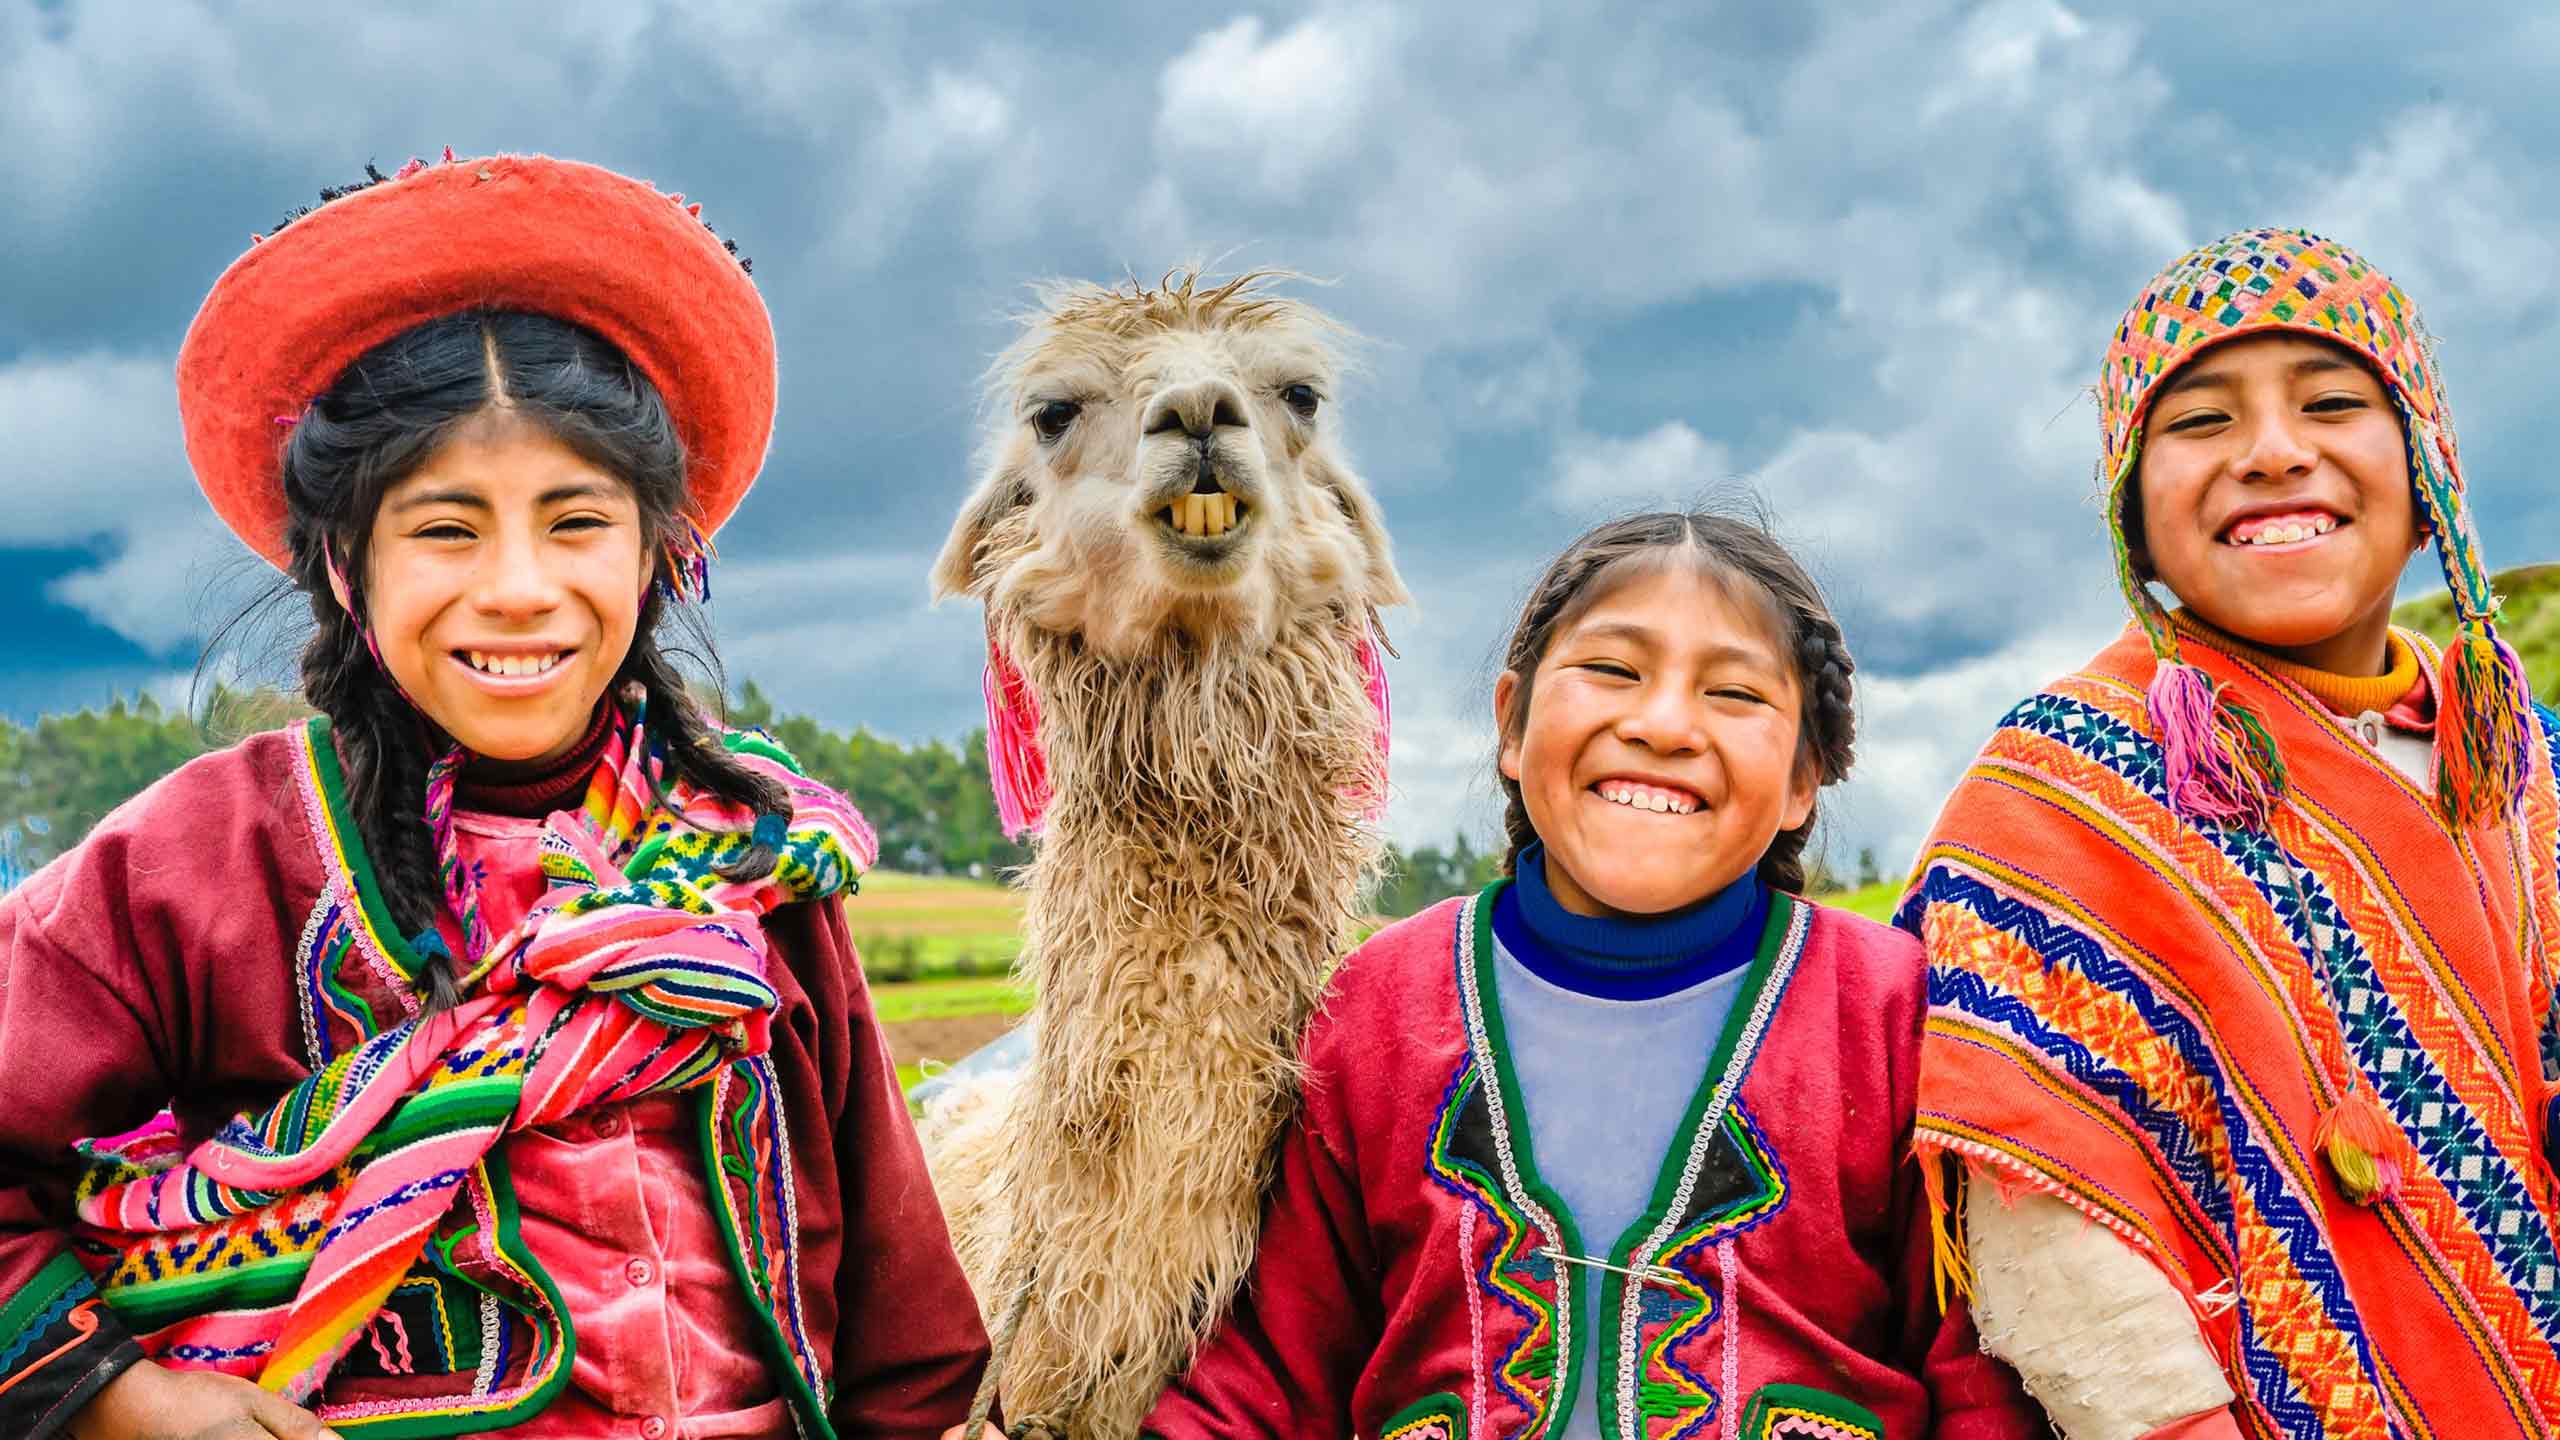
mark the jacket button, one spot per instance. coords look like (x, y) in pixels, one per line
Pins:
(652, 1428)
(639, 1272)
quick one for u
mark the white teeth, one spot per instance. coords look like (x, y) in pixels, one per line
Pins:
(1640, 797)
(2289, 534)
(487, 663)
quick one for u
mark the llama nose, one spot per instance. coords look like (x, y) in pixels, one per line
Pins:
(1197, 408)
(1204, 474)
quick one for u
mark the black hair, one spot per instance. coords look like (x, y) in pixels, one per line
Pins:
(384, 418)
(1734, 551)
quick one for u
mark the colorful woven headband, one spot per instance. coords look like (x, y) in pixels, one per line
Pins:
(2222, 767)
(506, 232)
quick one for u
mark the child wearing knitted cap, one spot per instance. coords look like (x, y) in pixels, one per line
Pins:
(2242, 938)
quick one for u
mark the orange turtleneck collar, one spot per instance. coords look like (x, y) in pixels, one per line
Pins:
(2403, 679)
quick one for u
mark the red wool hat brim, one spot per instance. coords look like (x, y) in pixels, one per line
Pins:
(508, 232)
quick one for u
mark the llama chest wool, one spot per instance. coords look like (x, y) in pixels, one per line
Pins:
(1420, 1274)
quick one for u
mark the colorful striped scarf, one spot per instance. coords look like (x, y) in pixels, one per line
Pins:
(2153, 1016)
(267, 1249)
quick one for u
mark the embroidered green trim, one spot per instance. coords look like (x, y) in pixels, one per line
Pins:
(807, 1407)
(1433, 1417)
(1800, 1412)
(1529, 1193)
(1651, 1241)
(468, 1415)
(38, 1306)
(349, 842)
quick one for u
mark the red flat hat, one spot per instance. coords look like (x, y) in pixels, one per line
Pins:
(508, 232)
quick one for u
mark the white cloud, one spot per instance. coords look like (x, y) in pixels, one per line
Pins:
(1284, 108)
(1667, 465)
(1917, 733)
(93, 446)
(168, 584)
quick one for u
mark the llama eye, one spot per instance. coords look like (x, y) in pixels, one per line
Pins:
(1051, 420)
(1303, 399)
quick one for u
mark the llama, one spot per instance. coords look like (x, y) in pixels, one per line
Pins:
(1181, 576)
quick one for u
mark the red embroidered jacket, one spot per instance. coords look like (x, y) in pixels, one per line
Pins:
(1407, 1287)
(212, 937)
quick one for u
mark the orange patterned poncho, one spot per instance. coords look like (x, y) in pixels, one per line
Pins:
(2148, 1016)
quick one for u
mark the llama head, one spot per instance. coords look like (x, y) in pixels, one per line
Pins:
(1167, 459)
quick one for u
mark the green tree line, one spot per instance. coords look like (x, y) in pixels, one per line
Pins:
(930, 803)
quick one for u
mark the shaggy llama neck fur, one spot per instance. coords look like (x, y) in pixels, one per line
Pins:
(1200, 870)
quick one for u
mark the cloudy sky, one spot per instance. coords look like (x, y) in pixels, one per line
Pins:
(1860, 259)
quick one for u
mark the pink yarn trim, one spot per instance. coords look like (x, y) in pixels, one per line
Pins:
(1373, 682)
(1016, 765)
(1019, 769)
(2206, 780)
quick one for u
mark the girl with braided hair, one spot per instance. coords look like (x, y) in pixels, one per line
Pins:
(1619, 1146)
(488, 1054)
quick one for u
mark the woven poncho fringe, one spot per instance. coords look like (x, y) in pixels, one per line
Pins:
(2222, 765)
(266, 1250)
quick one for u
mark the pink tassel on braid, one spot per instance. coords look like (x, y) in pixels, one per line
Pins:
(461, 888)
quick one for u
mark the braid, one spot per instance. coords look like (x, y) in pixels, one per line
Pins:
(1827, 730)
(382, 749)
(694, 749)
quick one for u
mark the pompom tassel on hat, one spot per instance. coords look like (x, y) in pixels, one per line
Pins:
(2363, 1146)
(2482, 728)
(2222, 765)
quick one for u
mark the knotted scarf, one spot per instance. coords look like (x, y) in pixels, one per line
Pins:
(266, 1249)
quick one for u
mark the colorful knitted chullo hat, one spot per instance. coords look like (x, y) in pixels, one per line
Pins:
(2221, 764)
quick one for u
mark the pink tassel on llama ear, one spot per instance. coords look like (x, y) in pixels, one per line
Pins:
(2481, 727)
(1373, 682)
(1016, 765)
(2222, 764)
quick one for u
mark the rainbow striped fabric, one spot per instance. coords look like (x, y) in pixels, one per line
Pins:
(2147, 1016)
(268, 1248)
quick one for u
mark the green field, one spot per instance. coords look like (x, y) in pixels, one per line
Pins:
(1873, 901)
(2531, 597)
(925, 927)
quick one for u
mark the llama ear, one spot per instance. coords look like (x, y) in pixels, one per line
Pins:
(955, 571)
(1384, 586)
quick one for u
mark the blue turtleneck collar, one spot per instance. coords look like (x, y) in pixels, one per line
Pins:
(1627, 959)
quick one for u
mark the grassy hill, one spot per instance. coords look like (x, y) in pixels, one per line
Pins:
(2532, 596)
(937, 951)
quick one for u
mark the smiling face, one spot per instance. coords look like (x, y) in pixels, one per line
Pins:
(2275, 499)
(503, 583)
(1658, 754)
(1165, 459)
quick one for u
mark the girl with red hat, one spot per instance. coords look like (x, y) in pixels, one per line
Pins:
(488, 1053)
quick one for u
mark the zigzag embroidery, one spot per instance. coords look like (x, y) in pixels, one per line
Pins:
(1472, 1183)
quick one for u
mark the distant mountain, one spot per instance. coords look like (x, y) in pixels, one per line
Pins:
(2532, 598)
